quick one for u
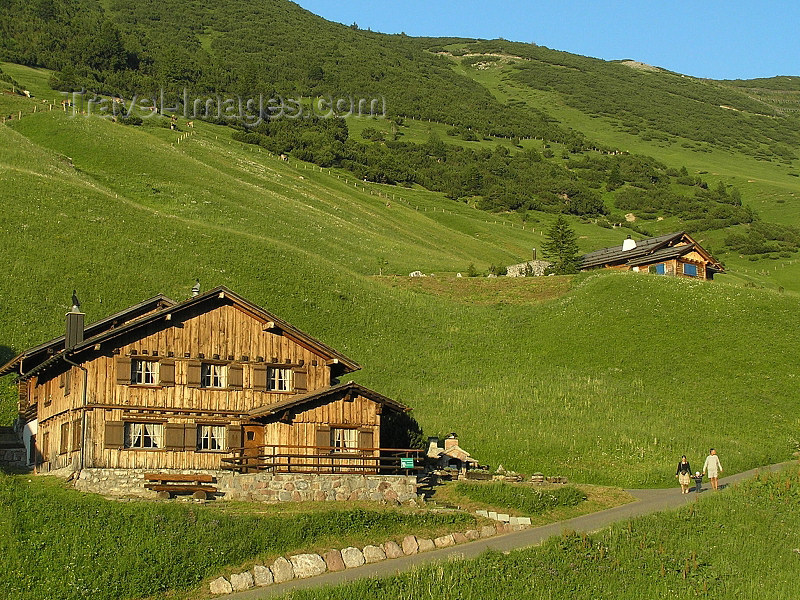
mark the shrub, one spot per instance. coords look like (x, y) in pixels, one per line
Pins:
(131, 120)
(523, 498)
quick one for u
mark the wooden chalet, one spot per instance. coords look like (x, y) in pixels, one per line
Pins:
(209, 382)
(674, 254)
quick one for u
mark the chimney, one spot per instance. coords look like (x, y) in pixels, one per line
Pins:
(450, 441)
(74, 332)
(628, 244)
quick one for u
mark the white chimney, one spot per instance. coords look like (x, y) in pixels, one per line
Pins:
(628, 244)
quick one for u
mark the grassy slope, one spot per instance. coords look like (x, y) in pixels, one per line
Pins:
(766, 186)
(581, 381)
(59, 543)
(738, 544)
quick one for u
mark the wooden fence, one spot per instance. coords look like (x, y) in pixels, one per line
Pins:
(324, 460)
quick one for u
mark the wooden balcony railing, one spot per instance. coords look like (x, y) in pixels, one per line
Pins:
(324, 459)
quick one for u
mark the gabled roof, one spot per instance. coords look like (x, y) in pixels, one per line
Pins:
(320, 394)
(662, 247)
(616, 255)
(663, 254)
(37, 354)
(217, 296)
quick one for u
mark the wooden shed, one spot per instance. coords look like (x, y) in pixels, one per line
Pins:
(190, 385)
(676, 254)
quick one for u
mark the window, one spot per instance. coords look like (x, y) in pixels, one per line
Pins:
(213, 376)
(279, 380)
(144, 435)
(63, 447)
(144, 372)
(690, 270)
(344, 440)
(661, 269)
(211, 437)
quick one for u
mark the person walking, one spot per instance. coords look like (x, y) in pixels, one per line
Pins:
(684, 474)
(712, 468)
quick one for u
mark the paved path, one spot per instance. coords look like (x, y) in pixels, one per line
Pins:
(647, 502)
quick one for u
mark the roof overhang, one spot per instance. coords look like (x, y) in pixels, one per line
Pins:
(328, 393)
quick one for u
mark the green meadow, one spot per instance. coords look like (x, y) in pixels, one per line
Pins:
(741, 543)
(59, 543)
(581, 378)
(771, 187)
(603, 378)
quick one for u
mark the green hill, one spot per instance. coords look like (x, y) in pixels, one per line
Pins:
(602, 377)
(580, 370)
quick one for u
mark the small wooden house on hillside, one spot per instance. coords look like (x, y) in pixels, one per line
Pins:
(670, 254)
(191, 385)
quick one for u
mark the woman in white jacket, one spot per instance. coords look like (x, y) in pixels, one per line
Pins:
(713, 468)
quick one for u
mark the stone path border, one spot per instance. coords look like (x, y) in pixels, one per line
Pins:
(647, 502)
(303, 566)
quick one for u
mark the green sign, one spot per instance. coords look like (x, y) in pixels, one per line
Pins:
(406, 463)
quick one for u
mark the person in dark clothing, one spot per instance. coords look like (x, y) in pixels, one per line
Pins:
(698, 480)
(684, 474)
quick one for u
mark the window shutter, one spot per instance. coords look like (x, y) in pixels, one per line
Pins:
(300, 380)
(115, 434)
(193, 374)
(173, 436)
(235, 376)
(67, 382)
(63, 442)
(166, 373)
(234, 436)
(366, 438)
(323, 439)
(260, 378)
(123, 370)
(77, 432)
(190, 436)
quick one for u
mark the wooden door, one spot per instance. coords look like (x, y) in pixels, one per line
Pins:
(253, 445)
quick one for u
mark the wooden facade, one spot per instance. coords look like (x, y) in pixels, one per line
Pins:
(674, 254)
(184, 385)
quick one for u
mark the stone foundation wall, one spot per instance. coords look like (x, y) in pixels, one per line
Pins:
(290, 487)
(14, 458)
(262, 487)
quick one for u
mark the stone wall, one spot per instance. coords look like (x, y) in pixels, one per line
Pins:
(290, 487)
(262, 487)
(14, 458)
(536, 268)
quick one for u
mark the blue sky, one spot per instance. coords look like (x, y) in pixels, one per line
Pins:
(704, 38)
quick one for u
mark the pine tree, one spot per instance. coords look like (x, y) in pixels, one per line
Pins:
(561, 248)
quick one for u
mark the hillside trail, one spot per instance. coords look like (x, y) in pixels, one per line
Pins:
(647, 502)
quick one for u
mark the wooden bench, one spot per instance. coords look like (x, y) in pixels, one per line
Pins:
(167, 484)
